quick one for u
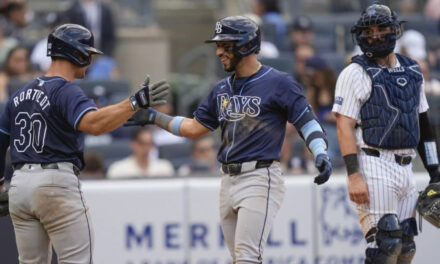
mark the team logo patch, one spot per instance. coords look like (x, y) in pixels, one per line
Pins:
(401, 81)
(218, 28)
(339, 100)
(237, 107)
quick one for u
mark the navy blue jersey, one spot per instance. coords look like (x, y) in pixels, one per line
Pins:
(253, 114)
(42, 118)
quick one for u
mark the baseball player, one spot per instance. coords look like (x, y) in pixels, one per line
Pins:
(251, 107)
(43, 123)
(381, 112)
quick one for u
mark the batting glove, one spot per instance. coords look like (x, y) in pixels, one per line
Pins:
(147, 96)
(324, 166)
(142, 118)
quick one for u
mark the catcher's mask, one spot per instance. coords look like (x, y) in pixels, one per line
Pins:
(381, 16)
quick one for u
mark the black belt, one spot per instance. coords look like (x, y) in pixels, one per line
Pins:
(50, 166)
(401, 160)
(237, 168)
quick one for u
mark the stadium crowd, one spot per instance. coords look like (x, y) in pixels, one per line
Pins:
(313, 48)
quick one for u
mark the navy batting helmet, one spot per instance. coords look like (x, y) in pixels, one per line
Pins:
(241, 30)
(73, 43)
(382, 16)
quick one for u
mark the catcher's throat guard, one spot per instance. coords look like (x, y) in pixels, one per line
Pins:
(428, 204)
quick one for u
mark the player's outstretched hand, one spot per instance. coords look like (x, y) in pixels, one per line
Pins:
(4, 203)
(151, 95)
(358, 189)
(324, 166)
(142, 118)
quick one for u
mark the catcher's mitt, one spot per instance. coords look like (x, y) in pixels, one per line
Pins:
(428, 204)
(4, 203)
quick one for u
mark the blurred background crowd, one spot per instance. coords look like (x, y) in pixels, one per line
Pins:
(310, 39)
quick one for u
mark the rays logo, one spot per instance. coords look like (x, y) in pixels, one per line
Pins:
(218, 28)
(237, 107)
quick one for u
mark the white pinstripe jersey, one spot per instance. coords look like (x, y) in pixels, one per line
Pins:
(353, 88)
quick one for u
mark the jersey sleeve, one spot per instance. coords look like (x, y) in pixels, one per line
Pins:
(73, 104)
(5, 123)
(206, 113)
(346, 102)
(291, 98)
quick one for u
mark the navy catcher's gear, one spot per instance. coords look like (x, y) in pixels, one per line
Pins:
(409, 230)
(382, 16)
(73, 43)
(388, 236)
(241, 30)
(389, 116)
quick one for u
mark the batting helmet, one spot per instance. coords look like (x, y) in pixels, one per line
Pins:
(382, 16)
(73, 43)
(241, 30)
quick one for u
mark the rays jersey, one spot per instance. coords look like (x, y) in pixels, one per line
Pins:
(252, 113)
(41, 119)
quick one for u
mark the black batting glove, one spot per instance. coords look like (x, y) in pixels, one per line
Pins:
(434, 174)
(147, 96)
(142, 118)
(324, 166)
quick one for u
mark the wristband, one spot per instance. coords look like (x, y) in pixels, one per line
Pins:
(351, 163)
(175, 125)
(133, 103)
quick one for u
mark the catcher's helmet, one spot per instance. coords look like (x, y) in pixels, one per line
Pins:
(73, 43)
(242, 30)
(382, 16)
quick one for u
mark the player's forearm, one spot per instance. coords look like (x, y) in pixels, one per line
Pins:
(346, 138)
(106, 119)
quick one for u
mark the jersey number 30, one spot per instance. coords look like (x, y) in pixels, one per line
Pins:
(32, 132)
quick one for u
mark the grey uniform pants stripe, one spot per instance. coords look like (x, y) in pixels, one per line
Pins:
(47, 209)
(249, 203)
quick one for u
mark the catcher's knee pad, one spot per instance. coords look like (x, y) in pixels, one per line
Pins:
(409, 230)
(388, 237)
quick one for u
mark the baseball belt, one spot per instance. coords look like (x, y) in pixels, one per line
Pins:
(241, 167)
(400, 159)
(51, 166)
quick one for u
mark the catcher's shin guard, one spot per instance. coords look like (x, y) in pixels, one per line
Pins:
(388, 237)
(428, 204)
(409, 230)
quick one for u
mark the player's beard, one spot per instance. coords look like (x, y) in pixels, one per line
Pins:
(234, 62)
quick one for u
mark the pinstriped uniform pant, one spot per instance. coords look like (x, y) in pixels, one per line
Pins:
(391, 187)
(249, 203)
(47, 209)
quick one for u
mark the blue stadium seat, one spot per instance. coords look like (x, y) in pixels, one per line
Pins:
(177, 154)
(117, 150)
(283, 63)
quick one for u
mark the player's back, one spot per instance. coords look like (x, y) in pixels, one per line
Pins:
(43, 116)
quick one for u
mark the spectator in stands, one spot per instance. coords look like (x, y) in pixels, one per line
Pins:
(94, 166)
(16, 66)
(301, 32)
(6, 44)
(103, 68)
(412, 44)
(139, 164)
(96, 16)
(38, 54)
(203, 158)
(270, 13)
(320, 93)
(432, 10)
(302, 53)
(432, 84)
(267, 48)
(14, 16)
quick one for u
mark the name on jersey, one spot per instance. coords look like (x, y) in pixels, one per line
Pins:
(397, 69)
(34, 95)
(237, 107)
